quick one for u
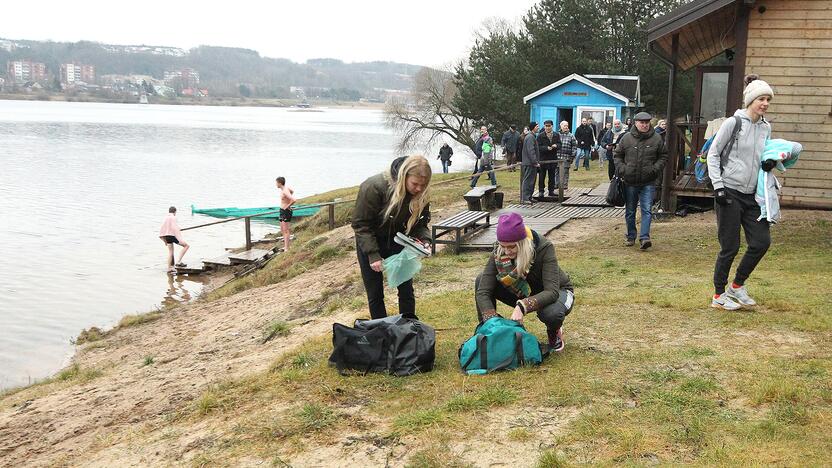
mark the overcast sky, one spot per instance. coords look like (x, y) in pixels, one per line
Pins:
(424, 32)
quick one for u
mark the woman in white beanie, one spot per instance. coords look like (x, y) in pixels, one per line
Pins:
(733, 165)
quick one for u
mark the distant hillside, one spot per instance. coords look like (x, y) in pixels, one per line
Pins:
(221, 69)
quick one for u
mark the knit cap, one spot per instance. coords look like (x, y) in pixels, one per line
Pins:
(754, 90)
(510, 228)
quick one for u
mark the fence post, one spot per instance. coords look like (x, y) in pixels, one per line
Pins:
(331, 210)
(248, 233)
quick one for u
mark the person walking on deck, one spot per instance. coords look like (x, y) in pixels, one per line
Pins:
(548, 141)
(287, 199)
(639, 161)
(610, 140)
(529, 164)
(170, 234)
(586, 140)
(566, 151)
(486, 152)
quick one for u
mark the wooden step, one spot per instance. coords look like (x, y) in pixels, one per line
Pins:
(220, 261)
(193, 268)
(248, 256)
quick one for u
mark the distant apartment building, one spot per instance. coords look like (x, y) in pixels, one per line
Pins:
(72, 73)
(22, 71)
(185, 77)
(6, 45)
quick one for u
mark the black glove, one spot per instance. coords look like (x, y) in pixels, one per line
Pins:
(769, 164)
(721, 197)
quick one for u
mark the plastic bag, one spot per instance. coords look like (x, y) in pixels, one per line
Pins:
(401, 267)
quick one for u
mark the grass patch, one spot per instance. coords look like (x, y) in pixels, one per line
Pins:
(148, 361)
(274, 329)
(138, 319)
(90, 335)
(314, 416)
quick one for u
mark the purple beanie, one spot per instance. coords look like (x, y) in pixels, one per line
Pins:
(510, 228)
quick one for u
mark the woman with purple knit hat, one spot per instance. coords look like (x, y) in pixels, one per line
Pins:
(523, 272)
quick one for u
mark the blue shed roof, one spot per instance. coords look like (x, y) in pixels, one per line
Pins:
(581, 79)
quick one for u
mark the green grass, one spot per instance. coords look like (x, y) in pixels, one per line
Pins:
(653, 374)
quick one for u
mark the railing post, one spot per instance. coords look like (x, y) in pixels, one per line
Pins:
(248, 233)
(331, 211)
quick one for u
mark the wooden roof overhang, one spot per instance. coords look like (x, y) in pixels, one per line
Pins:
(705, 29)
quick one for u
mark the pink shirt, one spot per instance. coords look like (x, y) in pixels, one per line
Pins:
(170, 228)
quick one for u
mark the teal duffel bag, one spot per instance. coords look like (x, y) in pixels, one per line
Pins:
(499, 344)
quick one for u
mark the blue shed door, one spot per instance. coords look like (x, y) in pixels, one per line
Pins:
(547, 113)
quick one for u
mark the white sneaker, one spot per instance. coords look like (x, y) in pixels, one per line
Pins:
(740, 295)
(724, 302)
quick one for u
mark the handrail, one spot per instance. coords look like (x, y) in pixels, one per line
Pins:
(313, 205)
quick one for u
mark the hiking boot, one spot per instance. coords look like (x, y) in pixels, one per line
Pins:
(724, 302)
(630, 242)
(740, 295)
(556, 342)
(646, 244)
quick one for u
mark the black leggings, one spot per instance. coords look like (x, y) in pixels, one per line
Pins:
(742, 211)
(552, 315)
(374, 283)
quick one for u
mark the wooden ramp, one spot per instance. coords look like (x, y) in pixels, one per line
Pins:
(586, 200)
(600, 191)
(248, 256)
(486, 238)
(578, 212)
(220, 261)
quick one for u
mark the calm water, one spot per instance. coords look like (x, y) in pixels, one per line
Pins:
(84, 188)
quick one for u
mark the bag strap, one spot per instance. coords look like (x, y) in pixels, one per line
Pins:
(518, 345)
(480, 348)
(507, 362)
(726, 150)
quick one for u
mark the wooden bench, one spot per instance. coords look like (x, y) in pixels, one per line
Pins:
(463, 224)
(482, 197)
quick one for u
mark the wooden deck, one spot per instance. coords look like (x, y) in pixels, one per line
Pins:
(248, 256)
(687, 186)
(544, 217)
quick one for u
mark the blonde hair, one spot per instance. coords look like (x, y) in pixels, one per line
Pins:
(418, 166)
(525, 255)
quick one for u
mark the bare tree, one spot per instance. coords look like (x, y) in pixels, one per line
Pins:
(428, 112)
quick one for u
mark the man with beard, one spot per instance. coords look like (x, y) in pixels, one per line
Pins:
(548, 141)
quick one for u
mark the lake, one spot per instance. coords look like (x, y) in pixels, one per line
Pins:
(84, 188)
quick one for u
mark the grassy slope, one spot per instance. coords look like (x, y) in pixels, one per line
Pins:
(652, 372)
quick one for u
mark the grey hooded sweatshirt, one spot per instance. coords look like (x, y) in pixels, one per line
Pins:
(743, 163)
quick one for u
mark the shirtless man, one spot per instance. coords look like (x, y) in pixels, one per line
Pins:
(287, 199)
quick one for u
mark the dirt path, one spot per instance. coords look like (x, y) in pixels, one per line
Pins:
(111, 419)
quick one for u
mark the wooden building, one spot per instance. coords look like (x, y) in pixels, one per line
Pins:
(788, 43)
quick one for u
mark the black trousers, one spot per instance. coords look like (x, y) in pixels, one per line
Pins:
(552, 315)
(742, 211)
(552, 171)
(374, 283)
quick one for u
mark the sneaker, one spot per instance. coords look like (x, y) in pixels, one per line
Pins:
(630, 242)
(740, 295)
(540, 194)
(724, 302)
(646, 244)
(559, 344)
(552, 194)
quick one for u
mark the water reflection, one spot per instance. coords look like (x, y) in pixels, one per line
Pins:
(183, 288)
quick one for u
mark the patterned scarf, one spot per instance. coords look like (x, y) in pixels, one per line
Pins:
(508, 277)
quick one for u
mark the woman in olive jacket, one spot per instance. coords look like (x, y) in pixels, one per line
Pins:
(390, 202)
(523, 272)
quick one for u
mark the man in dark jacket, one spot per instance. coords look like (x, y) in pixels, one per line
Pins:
(586, 140)
(639, 160)
(445, 154)
(548, 141)
(529, 164)
(509, 144)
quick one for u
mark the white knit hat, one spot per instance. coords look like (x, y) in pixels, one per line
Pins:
(754, 90)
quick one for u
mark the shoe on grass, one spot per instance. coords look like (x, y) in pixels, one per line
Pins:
(724, 302)
(740, 295)
(558, 344)
(629, 242)
(645, 244)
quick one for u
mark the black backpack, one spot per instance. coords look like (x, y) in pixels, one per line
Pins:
(395, 345)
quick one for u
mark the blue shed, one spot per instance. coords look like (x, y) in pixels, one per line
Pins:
(602, 97)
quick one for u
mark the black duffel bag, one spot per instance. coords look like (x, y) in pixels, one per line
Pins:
(394, 345)
(615, 193)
